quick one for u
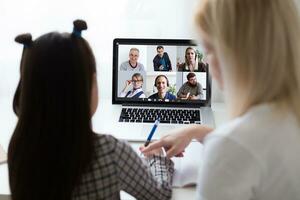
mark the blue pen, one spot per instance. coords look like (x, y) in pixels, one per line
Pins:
(152, 132)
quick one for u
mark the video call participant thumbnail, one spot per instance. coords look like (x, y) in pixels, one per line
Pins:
(161, 62)
(191, 89)
(162, 84)
(192, 64)
(137, 90)
(132, 64)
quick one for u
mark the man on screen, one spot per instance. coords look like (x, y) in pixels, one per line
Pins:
(162, 84)
(191, 89)
(161, 61)
(132, 64)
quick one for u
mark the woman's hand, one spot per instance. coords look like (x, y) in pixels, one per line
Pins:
(157, 151)
(175, 142)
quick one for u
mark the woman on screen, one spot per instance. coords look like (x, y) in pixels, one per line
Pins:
(192, 64)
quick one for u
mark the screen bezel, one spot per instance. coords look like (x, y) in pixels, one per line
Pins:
(163, 42)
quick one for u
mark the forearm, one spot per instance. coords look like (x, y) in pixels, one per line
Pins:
(198, 132)
(181, 95)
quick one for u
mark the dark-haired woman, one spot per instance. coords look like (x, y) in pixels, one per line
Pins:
(53, 153)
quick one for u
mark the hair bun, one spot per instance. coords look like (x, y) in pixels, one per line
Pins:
(25, 39)
(80, 25)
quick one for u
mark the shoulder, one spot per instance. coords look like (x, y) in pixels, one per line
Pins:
(235, 131)
(231, 136)
(181, 67)
(153, 95)
(140, 66)
(124, 64)
(140, 90)
(259, 129)
(199, 85)
(202, 67)
(251, 148)
(185, 84)
(108, 144)
(111, 148)
(227, 165)
(142, 95)
(171, 96)
(105, 142)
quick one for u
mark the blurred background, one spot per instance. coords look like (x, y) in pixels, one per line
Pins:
(172, 19)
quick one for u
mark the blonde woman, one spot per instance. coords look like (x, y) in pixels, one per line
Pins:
(253, 49)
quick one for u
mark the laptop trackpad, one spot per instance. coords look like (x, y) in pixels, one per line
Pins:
(161, 130)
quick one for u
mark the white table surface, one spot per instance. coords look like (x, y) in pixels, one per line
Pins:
(8, 121)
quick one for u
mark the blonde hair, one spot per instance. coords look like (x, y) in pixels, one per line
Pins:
(257, 42)
(187, 63)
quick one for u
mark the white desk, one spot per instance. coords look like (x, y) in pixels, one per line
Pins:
(8, 121)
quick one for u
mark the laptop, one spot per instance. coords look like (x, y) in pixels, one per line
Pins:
(164, 79)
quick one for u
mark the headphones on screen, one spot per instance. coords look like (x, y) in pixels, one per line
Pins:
(159, 77)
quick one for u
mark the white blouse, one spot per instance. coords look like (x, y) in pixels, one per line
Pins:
(254, 157)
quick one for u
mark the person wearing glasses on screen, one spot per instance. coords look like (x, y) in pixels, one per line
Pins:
(191, 89)
(137, 90)
(132, 64)
(162, 84)
(192, 64)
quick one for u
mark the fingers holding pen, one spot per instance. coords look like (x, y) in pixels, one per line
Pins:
(152, 146)
(175, 142)
(174, 145)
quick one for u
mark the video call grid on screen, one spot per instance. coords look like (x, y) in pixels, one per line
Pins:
(143, 54)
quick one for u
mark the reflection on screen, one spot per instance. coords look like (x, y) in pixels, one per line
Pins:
(161, 73)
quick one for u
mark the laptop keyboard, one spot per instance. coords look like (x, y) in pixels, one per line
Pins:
(170, 116)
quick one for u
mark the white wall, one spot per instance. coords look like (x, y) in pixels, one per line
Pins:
(106, 20)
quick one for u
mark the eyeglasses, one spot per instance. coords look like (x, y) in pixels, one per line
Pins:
(135, 81)
(193, 79)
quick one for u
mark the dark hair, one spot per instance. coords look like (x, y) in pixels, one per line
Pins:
(52, 144)
(190, 75)
(161, 75)
(159, 47)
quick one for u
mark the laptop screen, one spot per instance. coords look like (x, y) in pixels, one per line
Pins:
(156, 71)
